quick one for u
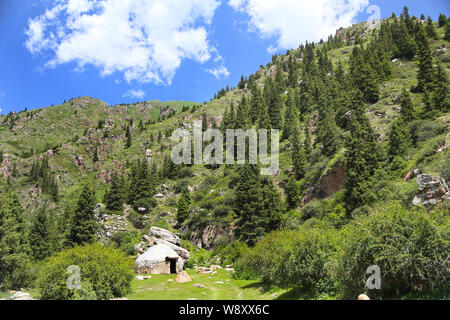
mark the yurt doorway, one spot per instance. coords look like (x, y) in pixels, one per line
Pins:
(173, 265)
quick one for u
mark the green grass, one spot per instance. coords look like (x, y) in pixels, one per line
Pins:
(159, 288)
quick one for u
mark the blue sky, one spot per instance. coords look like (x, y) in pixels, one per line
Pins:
(126, 51)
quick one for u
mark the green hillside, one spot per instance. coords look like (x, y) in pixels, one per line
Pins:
(362, 115)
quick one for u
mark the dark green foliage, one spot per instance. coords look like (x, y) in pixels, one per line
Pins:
(257, 205)
(114, 197)
(290, 116)
(442, 21)
(274, 103)
(361, 157)
(128, 137)
(431, 31)
(399, 139)
(328, 133)
(105, 270)
(142, 184)
(364, 76)
(84, 226)
(425, 74)
(40, 236)
(447, 31)
(292, 193)
(184, 206)
(14, 247)
(407, 108)
(299, 159)
(410, 247)
(241, 84)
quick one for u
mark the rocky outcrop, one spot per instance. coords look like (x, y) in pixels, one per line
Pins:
(164, 234)
(330, 183)
(160, 236)
(432, 190)
(206, 237)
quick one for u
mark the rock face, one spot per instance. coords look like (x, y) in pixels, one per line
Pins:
(165, 235)
(432, 190)
(330, 183)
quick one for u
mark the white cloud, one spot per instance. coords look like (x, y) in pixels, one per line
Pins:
(146, 40)
(135, 94)
(293, 22)
(219, 72)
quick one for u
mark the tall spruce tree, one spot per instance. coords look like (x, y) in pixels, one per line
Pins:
(290, 116)
(361, 157)
(299, 159)
(184, 206)
(407, 108)
(115, 195)
(40, 236)
(431, 31)
(399, 139)
(425, 73)
(84, 225)
(14, 247)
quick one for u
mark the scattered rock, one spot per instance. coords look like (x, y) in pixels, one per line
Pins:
(21, 296)
(199, 285)
(432, 190)
(183, 277)
(140, 278)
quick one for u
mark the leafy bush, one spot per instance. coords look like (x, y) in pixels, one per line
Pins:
(104, 269)
(125, 241)
(410, 247)
(147, 204)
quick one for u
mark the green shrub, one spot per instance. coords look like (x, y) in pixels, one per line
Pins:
(304, 265)
(105, 271)
(147, 204)
(410, 247)
(125, 240)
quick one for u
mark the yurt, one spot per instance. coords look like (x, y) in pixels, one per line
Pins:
(160, 259)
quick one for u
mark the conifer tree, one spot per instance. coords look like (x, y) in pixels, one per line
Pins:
(184, 206)
(95, 158)
(14, 247)
(425, 73)
(442, 21)
(441, 96)
(293, 72)
(40, 237)
(128, 137)
(298, 154)
(290, 116)
(399, 139)
(431, 31)
(447, 31)
(328, 133)
(241, 84)
(407, 108)
(362, 156)
(84, 225)
(114, 195)
(363, 76)
(292, 193)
